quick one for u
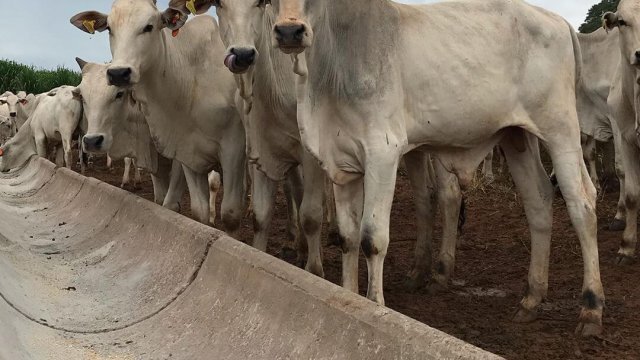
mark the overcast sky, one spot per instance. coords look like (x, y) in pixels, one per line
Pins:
(37, 32)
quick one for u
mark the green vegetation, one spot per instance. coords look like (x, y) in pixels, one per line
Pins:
(16, 77)
(594, 17)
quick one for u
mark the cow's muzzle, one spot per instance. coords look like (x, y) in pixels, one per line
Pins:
(119, 76)
(290, 37)
(92, 143)
(239, 60)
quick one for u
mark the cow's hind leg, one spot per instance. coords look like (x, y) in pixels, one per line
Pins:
(589, 154)
(537, 195)
(580, 196)
(451, 206)
(349, 202)
(423, 184)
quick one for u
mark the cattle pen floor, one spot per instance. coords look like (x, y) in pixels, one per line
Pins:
(490, 278)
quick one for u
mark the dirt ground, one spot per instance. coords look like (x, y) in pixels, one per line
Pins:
(490, 278)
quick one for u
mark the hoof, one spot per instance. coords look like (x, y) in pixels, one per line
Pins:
(414, 282)
(315, 270)
(436, 288)
(333, 238)
(624, 260)
(588, 329)
(524, 316)
(289, 255)
(617, 225)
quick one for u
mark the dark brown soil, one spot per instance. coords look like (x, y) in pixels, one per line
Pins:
(494, 255)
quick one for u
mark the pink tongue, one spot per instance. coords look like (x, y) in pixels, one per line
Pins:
(229, 61)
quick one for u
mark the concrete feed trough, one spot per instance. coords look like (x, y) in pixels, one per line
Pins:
(88, 271)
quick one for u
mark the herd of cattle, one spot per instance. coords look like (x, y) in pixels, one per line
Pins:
(302, 91)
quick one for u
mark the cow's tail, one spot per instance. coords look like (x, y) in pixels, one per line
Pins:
(577, 53)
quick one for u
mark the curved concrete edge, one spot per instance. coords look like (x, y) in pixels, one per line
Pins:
(239, 304)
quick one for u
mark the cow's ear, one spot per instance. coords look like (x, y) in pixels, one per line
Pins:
(194, 7)
(77, 94)
(23, 101)
(81, 63)
(611, 20)
(90, 21)
(174, 19)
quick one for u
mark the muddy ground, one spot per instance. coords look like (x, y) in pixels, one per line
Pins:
(490, 277)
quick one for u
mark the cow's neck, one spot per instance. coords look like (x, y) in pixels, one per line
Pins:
(629, 76)
(273, 73)
(164, 81)
(353, 49)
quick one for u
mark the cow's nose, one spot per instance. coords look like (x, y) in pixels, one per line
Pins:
(92, 142)
(289, 35)
(119, 76)
(245, 57)
(13, 114)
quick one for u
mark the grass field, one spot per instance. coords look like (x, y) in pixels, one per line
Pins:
(16, 77)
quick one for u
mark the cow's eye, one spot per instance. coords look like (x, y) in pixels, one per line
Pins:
(262, 3)
(622, 23)
(217, 3)
(148, 28)
(119, 95)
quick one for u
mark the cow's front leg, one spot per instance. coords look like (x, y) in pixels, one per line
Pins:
(630, 156)
(199, 194)
(311, 213)
(262, 198)
(177, 186)
(379, 186)
(349, 201)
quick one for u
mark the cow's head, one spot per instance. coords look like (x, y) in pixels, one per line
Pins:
(135, 33)
(627, 20)
(292, 32)
(17, 151)
(6, 129)
(241, 23)
(105, 106)
(13, 101)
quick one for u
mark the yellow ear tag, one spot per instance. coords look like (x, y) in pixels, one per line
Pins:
(191, 6)
(89, 25)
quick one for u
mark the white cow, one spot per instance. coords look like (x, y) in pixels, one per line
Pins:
(600, 54)
(379, 79)
(11, 101)
(54, 122)
(6, 129)
(624, 103)
(187, 97)
(268, 85)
